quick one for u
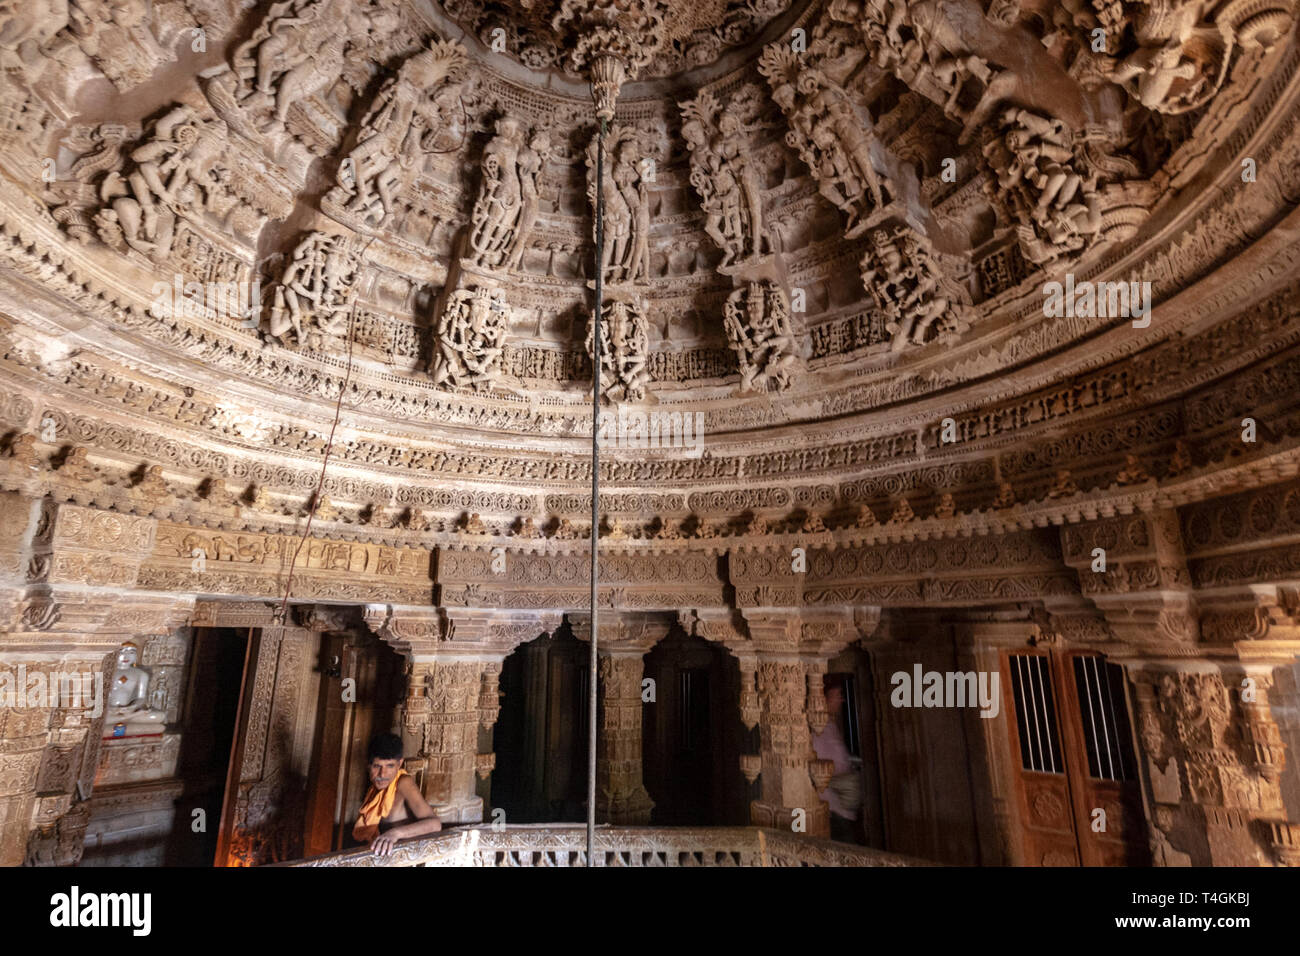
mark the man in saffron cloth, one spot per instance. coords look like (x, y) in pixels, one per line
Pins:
(394, 808)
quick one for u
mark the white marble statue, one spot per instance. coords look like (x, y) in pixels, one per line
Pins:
(131, 712)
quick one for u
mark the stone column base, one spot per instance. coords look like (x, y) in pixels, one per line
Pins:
(630, 808)
(469, 810)
(816, 819)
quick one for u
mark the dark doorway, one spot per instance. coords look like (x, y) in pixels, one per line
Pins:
(208, 718)
(541, 733)
(853, 672)
(692, 735)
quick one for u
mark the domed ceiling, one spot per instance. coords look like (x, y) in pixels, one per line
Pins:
(834, 230)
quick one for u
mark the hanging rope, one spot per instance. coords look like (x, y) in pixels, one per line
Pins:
(329, 447)
(595, 488)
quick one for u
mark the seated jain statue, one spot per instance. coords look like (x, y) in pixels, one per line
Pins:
(129, 711)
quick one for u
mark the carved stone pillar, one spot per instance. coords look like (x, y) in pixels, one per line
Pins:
(621, 796)
(791, 648)
(23, 732)
(442, 714)
(1213, 791)
(455, 657)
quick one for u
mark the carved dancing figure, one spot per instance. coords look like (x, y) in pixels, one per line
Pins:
(319, 284)
(471, 339)
(624, 344)
(761, 334)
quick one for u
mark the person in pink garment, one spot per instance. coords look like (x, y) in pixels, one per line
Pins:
(843, 795)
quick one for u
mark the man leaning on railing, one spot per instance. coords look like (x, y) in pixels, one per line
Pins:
(393, 798)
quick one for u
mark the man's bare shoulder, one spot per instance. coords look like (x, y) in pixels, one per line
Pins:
(407, 786)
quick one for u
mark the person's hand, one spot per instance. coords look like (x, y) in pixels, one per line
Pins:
(383, 844)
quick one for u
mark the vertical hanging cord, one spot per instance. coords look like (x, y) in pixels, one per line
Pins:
(329, 446)
(595, 489)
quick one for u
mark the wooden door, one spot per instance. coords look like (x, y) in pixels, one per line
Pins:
(1075, 779)
(1041, 783)
(360, 692)
(1103, 771)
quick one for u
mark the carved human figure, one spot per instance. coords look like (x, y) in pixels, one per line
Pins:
(532, 159)
(317, 289)
(1046, 186)
(394, 133)
(757, 322)
(173, 173)
(471, 339)
(626, 254)
(1150, 73)
(297, 51)
(901, 273)
(26, 26)
(725, 178)
(853, 128)
(497, 211)
(278, 46)
(717, 190)
(130, 711)
(624, 344)
(833, 136)
(316, 71)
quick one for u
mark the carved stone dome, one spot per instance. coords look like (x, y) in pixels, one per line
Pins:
(846, 246)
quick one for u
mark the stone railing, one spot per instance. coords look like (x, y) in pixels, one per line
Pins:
(565, 845)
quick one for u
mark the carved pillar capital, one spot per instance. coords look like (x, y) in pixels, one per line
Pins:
(630, 633)
(1261, 620)
(423, 633)
(1134, 569)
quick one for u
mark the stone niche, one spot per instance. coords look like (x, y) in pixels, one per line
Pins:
(132, 809)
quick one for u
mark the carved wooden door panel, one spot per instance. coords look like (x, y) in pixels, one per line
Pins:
(1076, 779)
(1041, 783)
(1103, 772)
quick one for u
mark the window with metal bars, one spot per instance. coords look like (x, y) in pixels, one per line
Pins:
(1031, 685)
(1105, 719)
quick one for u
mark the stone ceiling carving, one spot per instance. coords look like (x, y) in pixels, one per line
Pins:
(834, 228)
(665, 38)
